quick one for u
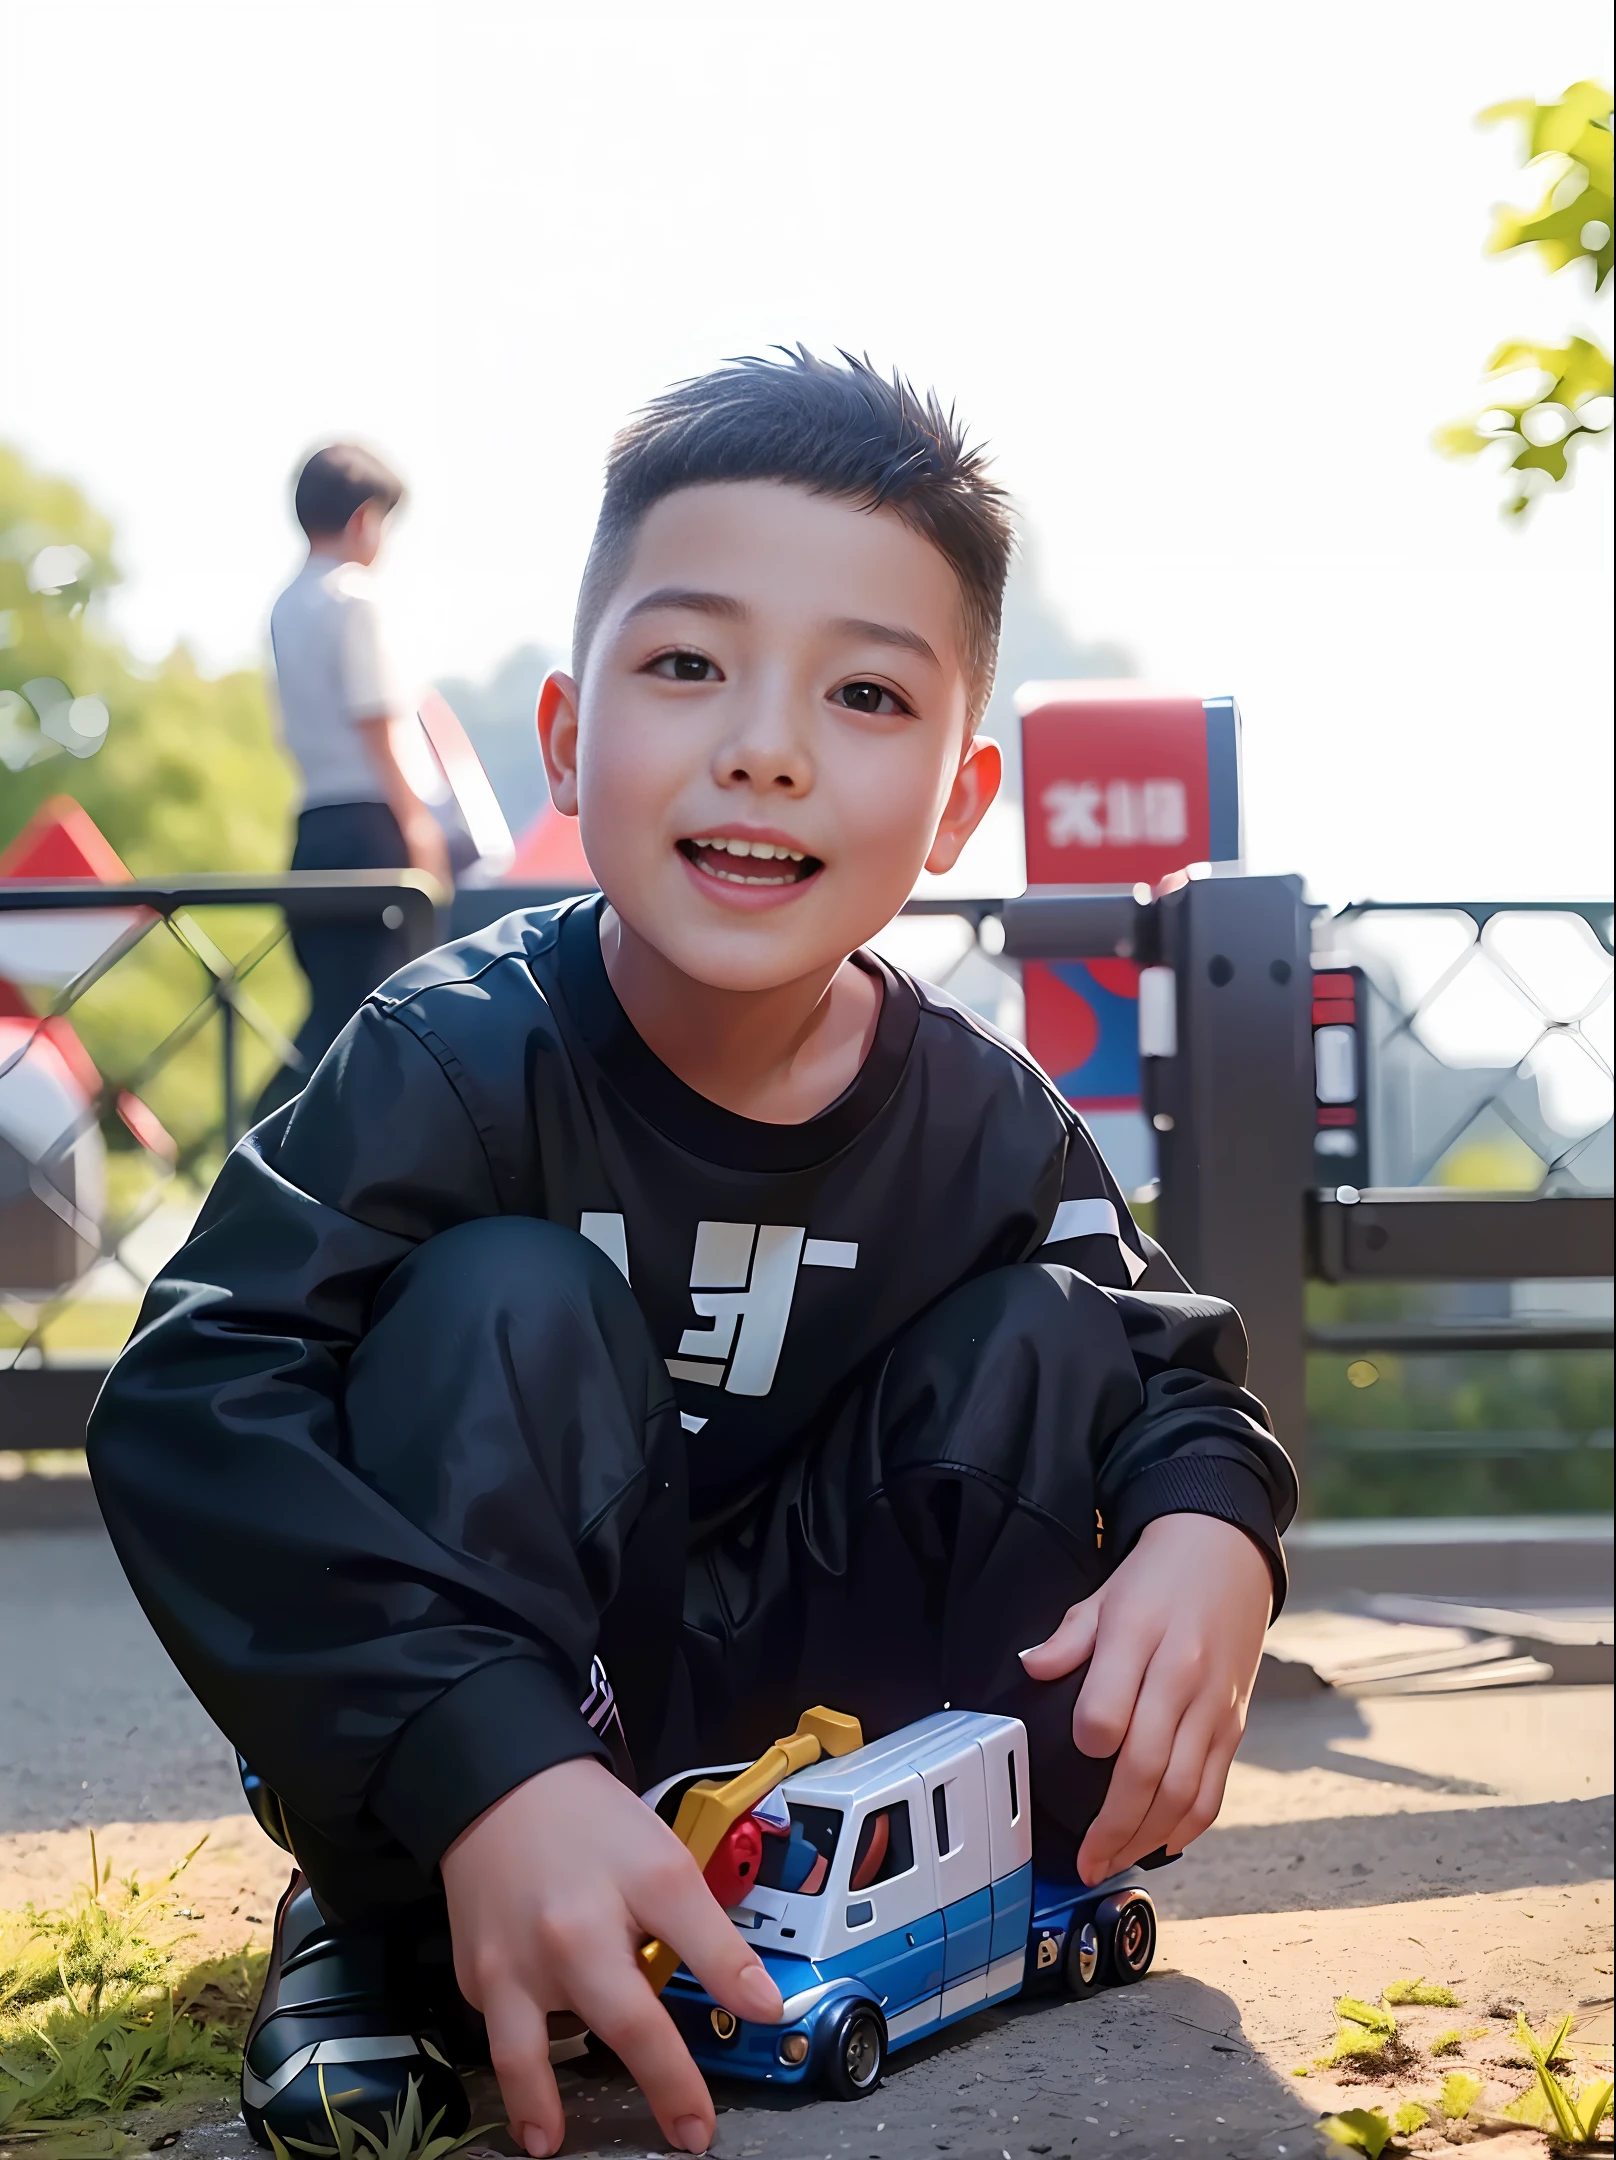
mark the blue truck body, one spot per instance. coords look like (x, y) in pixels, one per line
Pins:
(897, 1879)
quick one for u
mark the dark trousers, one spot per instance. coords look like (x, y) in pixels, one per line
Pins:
(343, 962)
(509, 1401)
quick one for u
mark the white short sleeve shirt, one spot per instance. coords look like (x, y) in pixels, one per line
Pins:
(330, 671)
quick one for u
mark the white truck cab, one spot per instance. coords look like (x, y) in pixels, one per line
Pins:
(895, 1850)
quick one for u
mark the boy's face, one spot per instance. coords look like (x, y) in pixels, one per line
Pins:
(777, 671)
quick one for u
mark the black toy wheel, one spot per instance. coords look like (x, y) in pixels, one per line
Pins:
(1129, 1926)
(855, 2052)
(1083, 1968)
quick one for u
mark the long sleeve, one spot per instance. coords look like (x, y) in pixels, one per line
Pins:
(312, 1619)
(1197, 1443)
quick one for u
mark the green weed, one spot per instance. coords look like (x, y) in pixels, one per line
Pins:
(1417, 1993)
(1569, 2114)
(1364, 2130)
(97, 2013)
(403, 2135)
(1461, 2089)
(1367, 2039)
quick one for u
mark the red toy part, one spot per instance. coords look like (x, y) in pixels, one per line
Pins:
(733, 1869)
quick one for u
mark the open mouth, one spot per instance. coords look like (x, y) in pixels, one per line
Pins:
(749, 862)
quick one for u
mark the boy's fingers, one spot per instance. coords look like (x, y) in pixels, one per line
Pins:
(1203, 1812)
(1144, 1749)
(1105, 1702)
(519, 2045)
(1177, 1788)
(617, 2004)
(681, 1910)
(1069, 1646)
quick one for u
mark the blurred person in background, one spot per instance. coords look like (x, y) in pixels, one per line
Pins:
(338, 703)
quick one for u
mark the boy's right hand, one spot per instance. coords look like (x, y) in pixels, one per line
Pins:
(551, 1893)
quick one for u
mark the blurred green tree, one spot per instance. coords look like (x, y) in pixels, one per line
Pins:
(181, 771)
(1561, 393)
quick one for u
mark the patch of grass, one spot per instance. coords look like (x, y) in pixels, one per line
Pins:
(1461, 2089)
(1569, 2114)
(1367, 2042)
(403, 2135)
(1418, 1993)
(1412, 2115)
(99, 2013)
(1364, 2130)
(1453, 2039)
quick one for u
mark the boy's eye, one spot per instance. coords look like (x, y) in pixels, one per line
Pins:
(868, 697)
(684, 667)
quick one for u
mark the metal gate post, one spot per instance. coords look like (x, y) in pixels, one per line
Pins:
(1234, 1112)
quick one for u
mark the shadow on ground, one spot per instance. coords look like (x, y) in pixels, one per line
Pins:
(1346, 1860)
(1134, 2072)
(1305, 1736)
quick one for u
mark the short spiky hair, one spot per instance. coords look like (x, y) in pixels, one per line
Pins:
(840, 430)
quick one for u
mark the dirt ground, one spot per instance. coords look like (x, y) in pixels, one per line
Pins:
(1465, 1838)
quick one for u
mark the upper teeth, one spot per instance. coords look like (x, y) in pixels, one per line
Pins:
(764, 850)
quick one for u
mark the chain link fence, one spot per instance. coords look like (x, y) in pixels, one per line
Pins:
(134, 1039)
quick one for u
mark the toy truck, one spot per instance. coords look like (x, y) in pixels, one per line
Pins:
(889, 1889)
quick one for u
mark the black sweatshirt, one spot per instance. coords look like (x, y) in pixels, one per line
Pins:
(772, 1263)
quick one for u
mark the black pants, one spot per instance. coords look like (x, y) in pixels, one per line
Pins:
(343, 962)
(509, 1401)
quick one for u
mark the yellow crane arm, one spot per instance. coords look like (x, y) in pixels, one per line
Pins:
(710, 1809)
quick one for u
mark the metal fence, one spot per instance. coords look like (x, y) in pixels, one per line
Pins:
(1391, 1096)
(66, 1114)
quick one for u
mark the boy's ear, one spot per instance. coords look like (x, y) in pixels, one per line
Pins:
(969, 799)
(558, 739)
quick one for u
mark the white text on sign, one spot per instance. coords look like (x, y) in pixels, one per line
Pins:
(1121, 813)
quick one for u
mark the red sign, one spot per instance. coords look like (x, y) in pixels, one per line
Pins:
(1121, 789)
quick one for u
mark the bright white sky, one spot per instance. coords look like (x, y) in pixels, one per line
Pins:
(1206, 277)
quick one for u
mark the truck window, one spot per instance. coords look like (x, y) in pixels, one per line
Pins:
(1015, 1796)
(939, 1814)
(800, 1861)
(885, 1847)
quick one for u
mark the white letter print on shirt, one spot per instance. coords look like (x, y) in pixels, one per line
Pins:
(742, 1280)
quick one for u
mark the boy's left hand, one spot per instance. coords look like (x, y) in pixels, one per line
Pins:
(1172, 1643)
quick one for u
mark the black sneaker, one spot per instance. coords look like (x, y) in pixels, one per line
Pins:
(343, 2025)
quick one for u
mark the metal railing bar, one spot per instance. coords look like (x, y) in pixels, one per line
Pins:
(1438, 1338)
(1383, 1440)
(309, 895)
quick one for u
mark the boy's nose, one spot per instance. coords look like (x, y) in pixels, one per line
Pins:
(766, 753)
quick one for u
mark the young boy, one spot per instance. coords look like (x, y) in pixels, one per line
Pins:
(337, 706)
(659, 1314)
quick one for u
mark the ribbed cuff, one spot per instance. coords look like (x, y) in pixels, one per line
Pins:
(1203, 1485)
(477, 1741)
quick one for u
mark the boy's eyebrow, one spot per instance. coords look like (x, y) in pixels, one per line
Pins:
(685, 596)
(886, 634)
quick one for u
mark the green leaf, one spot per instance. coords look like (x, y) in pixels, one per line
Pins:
(1593, 2106)
(1575, 134)
(1411, 2116)
(1461, 2089)
(1369, 2015)
(1363, 2130)
(1531, 2109)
